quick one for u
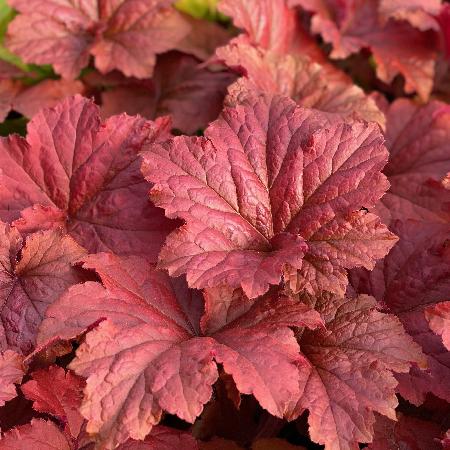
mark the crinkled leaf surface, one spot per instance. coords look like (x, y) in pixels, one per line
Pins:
(124, 35)
(58, 393)
(397, 47)
(33, 274)
(191, 94)
(38, 435)
(418, 140)
(149, 356)
(297, 77)
(272, 189)
(438, 317)
(414, 276)
(75, 172)
(11, 373)
(351, 370)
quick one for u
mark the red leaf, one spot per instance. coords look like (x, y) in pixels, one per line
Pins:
(418, 139)
(11, 372)
(296, 76)
(397, 47)
(438, 317)
(192, 95)
(124, 35)
(37, 435)
(415, 275)
(248, 226)
(148, 357)
(29, 283)
(83, 175)
(351, 370)
(407, 433)
(58, 393)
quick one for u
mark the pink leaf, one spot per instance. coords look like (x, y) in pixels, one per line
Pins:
(37, 435)
(270, 187)
(11, 372)
(438, 317)
(58, 393)
(296, 76)
(149, 356)
(85, 174)
(32, 276)
(351, 370)
(124, 35)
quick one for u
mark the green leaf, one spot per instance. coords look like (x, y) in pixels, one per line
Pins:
(200, 9)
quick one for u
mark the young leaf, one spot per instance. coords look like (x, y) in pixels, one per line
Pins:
(32, 276)
(351, 370)
(75, 172)
(124, 35)
(272, 190)
(150, 357)
(11, 372)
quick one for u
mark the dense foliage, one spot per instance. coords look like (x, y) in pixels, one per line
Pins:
(224, 225)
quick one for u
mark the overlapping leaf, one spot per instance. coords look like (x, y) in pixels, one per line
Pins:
(418, 140)
(438, 317)
(351, 370)
(11, 373)
(397, 47)
(192, 95)
(33, 274)
(299, 78)
(415, 276)
(74, 172)
(150, 356)
(272, 190)
(125, 35)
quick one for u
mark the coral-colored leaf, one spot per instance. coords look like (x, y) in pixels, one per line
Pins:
(124, 35)
(149, 356)
(438, 317)
(11, 372)
(418, 140)
(414, 276)
(37, 435)
(296, 76)
(397, 47)
(58, 393)
(84, 175)
(351, 370)
(272, 190)
(32, 276)
(191, 94)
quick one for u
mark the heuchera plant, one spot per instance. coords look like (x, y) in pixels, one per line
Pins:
(224, 225)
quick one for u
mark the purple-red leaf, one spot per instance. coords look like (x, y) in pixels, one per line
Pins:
(75, 172)
(33, 274)
(438, 317)
(272, 190)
